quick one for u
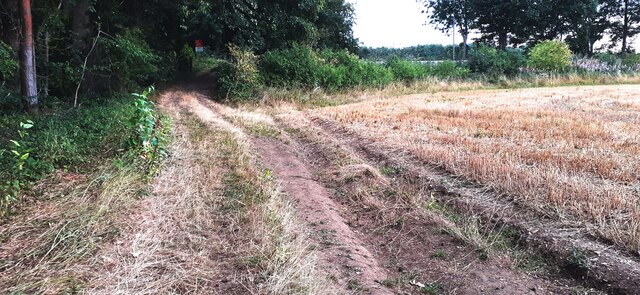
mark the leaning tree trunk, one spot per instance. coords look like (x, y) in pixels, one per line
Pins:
(28, 60)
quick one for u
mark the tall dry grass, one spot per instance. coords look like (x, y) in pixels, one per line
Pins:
(48, 249)
(569, 152)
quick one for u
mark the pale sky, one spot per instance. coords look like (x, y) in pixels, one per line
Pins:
(395, 23)
(400, 23)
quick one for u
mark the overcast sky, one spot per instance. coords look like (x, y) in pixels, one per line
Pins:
(398, 23)
(395, 23)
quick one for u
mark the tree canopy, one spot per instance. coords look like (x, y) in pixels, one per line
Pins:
(114, 44)
(502, 23)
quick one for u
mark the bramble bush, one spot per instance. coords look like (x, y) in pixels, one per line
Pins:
(632, 61)
(297, 66)
(550, 55)
(21, 168)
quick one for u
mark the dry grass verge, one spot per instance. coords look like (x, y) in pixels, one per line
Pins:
(48, 247)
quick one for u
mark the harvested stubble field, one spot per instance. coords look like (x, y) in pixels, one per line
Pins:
(571, 153)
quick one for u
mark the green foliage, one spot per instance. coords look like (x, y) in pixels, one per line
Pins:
(8, 62)
(430, 52)
(10, 100)
(146, 130)
(64, 77)
(240, 80)
(433, 288)
(67, 140)
(407, 71)
(450, 69)
(292, 67)
(301, 67)
(130, 61)
(490, 61)
(439, 254)
(341, 69)
(550, 55)
(269, 25)
(631, 60)
(578, 259)
(608, 58)
(20, 168)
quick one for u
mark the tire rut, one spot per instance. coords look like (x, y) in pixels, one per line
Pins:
(344, 258)
(610, 269)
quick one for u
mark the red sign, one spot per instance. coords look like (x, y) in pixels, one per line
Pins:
(199, 45)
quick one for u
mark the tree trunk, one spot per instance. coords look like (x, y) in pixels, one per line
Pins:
(502, 41)
(47, 71)
(28, 60)
(625, 26)
(465, 37)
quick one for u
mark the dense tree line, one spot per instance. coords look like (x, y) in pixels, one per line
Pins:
(428, 52)
(581, 23)
(109, 45)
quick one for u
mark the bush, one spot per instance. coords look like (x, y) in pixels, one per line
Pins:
(407, 71)
(300, 66)
(66, 139)
(8, 62)
(147, 136)
(608, 58)
(449, 69)
(240, 79)
(376, 75)
(130, 61)
(490, 61)
(550, 55)
(297, 66)
(632, 60)
(341, 70)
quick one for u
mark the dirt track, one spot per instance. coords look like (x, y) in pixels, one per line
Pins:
(368, 238)
(371, 219)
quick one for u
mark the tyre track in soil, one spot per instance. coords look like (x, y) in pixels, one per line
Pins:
(407, 249)
(353, 251)
(360, 250)
(610, 269)
(343, 257)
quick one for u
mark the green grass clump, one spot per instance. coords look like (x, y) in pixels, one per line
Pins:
(69, 139)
